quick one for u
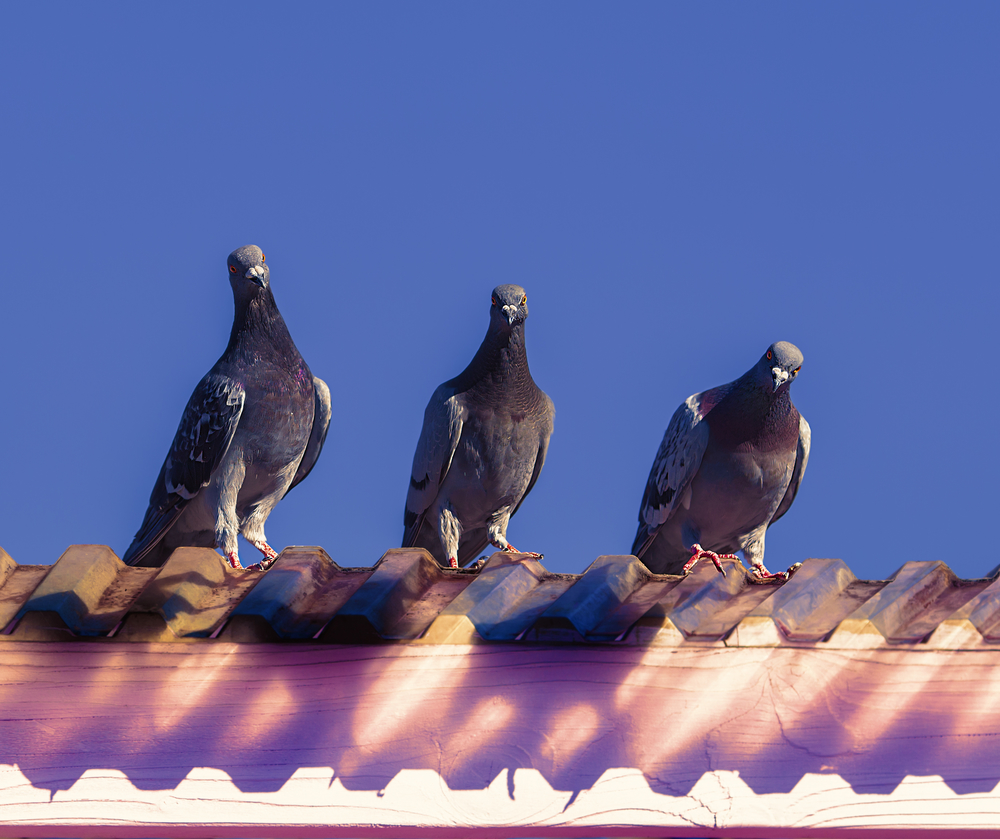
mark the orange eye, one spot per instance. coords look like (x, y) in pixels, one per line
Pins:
(262, 257)
(494, 300)
(232, 269)
(768, 355)
(795, 372)
(524, 299)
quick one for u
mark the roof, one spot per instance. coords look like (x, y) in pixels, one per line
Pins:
(405, 699)
(407, 597)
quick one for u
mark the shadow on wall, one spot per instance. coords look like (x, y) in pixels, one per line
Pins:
(259, 712)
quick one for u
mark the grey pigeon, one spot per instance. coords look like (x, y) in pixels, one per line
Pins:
(252, 429)
(730, 465)
(482, 446)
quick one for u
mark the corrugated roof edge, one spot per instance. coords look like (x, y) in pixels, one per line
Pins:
(90, 594)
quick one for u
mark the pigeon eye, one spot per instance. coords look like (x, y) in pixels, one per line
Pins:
(262, 257)
(795, 372)
(524, 299)
(494, 300)
(232, 269)
(769, 355)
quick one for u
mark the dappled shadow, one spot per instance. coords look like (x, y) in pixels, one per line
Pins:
(259, 712)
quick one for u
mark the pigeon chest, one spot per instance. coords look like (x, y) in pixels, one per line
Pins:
(751, 457)
(736, 490)
(277, 418)
(498, 449)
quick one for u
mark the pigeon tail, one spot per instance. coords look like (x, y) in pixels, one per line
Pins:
(150, 535)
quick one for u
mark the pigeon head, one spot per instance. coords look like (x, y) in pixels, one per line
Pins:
(247, 270)
(509, 306)
(779, 365)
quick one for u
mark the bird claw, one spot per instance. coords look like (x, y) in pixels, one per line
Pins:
(270, 555)
(475, 566)
(760, 573)
(263, 565)
(509, 548)
(699, 553)
(267, 550)
(269, 558)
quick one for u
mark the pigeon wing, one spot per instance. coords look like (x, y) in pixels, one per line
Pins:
(442, 429)
(321, 424)
(203, 437)
(677, 462)
(801, 461)
(543, 448)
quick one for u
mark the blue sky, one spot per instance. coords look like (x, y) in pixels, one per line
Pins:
(675, 185)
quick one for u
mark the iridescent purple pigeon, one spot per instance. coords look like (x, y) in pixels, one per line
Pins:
(729, 466)
(482, 445)
(252, 429)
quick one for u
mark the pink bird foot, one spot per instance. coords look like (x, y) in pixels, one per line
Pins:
(476, 566)
(509, 548)
(266, 549)
(761, 573)
(452, 562)
(698, 553)
(270, 555)
(263, 565)
(234, 560)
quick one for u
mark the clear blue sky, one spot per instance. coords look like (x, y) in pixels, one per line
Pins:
(675, 185)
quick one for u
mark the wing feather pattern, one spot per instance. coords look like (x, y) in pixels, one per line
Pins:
(439, 436)
(317, 437)
(801, 461)
(203, 437)
(543, 448)
(677, 462)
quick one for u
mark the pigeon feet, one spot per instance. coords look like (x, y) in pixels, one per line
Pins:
(270, 555)
(761, 573)
(698, 553)
(477, 565)
(263, 565)
(266, 549)
(509, 548)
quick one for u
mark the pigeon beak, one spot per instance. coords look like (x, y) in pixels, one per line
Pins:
(256, 275)
(779, 376)
(510, 312)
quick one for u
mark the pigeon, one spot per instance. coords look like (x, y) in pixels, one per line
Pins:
(252, 430)
(730, 465)
(482, 445)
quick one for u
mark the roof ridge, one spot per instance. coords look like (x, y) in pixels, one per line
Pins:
(407, 596)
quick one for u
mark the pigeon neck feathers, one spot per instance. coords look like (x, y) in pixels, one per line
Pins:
(500, 364)
(752, 416)
(259, 330)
